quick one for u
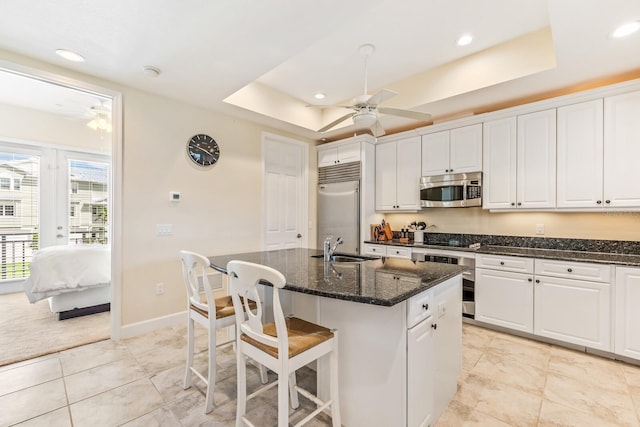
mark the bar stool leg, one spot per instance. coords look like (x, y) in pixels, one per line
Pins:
(292, 391)
(334, 382)
(242, 389)
(211, 376)
(283, 398)
(187, 373)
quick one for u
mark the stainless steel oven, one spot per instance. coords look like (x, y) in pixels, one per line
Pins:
(459, 190)
(468, 276)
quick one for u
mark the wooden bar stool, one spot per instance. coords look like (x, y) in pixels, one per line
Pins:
(194, 271)
(283, 346)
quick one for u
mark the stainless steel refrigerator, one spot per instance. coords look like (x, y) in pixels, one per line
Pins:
(339, 214)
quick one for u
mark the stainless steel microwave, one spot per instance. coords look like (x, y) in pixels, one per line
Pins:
(459, 190)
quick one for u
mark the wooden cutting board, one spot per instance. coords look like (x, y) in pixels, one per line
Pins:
(387, 231)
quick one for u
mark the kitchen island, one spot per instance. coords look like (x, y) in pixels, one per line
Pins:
(400, 328)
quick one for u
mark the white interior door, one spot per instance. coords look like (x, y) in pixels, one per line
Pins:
(285, 199)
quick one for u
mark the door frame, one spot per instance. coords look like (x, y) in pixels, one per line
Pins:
(115, 232)
(303, 212)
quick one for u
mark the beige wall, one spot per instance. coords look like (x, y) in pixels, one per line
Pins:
(599, 225)
(220, 210)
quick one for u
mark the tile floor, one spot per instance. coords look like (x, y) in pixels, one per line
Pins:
(506, 381)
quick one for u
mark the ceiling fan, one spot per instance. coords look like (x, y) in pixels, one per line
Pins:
(366, 107)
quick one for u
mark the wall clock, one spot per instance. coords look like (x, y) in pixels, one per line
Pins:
(203, 150)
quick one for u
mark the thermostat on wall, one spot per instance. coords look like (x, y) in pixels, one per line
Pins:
(174, 196)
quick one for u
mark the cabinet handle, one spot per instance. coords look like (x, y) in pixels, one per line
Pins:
(450, 170)
(537, 280)
(607, 201)
(501, 262)
(425, 306)
(434, 326)
(513, 204)
(530, 279)
(519, 204)
(599, 202)
(446, 170)
(569, 270)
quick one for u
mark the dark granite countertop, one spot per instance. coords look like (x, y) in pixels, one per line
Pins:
(572, 250)
(385, 281)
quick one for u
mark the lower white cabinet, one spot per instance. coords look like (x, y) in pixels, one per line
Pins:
(420, 388)
(504, 298)
(627, 312)
(573, 311)
(563, 300)
(387, 251)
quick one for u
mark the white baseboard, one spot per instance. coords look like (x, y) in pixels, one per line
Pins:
(146, 326)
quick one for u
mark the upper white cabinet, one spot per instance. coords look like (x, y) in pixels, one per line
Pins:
(520, 162)
(340, 153)
(452, 151)
(580, 156)
(499, 168)
(398, 175)
(622, 150)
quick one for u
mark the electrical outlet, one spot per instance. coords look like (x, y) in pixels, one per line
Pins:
(540, 229)
(159, 288)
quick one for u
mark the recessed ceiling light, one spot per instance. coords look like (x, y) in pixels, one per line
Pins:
(626, 29)
(320, 95)
(70, 55)
(465, 40)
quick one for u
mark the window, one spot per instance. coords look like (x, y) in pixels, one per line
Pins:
(7, 209)
(17, 183)
(74, 187)
(5, 183)
(72, 211)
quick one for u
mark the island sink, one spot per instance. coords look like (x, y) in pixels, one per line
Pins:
(346, 258)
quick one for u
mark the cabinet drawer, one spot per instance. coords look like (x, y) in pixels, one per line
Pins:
(573, 270)
(419, 308)
(398, 252)
(505, 263)
(370, 249)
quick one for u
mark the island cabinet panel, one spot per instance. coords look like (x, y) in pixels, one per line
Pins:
(627, 314)
(420, 388)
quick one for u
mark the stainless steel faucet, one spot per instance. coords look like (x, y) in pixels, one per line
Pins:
(328, 249)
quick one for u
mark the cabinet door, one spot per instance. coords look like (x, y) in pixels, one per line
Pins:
(435, 153)
(408, 174)
(573, 311)
(327, 157)
(580, 155)
(386, 176)
(536, 153)
(499, 164)
(447, 341)
(622, 150)
(349, 153)
(504, 299)
(420, 387)
(627, 300)
(465, 149)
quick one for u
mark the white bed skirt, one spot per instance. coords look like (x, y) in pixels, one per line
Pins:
(86, 298)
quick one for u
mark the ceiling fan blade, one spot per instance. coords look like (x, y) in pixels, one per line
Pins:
(335, 122)
(379, 97)
(376, 129)
(409, 114)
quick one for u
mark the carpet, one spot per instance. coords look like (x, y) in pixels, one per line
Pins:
(32, 330)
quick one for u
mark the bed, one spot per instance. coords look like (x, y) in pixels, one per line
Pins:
(75, 279)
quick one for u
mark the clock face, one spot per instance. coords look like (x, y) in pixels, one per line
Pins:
(203, 150)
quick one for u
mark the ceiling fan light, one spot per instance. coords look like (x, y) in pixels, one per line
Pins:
(364, 119)
(465, 39)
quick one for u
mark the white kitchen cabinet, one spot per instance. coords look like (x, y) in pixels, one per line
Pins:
(520, 162)
(333, 154)
(447, 342)
(536, 153)
(627, 312)
(504, 298)
(420, 389)
(622, 150)
(573, 302)
(398, 175)
(580, 155)
(452, 151)
(499, 164)
(387, 251)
